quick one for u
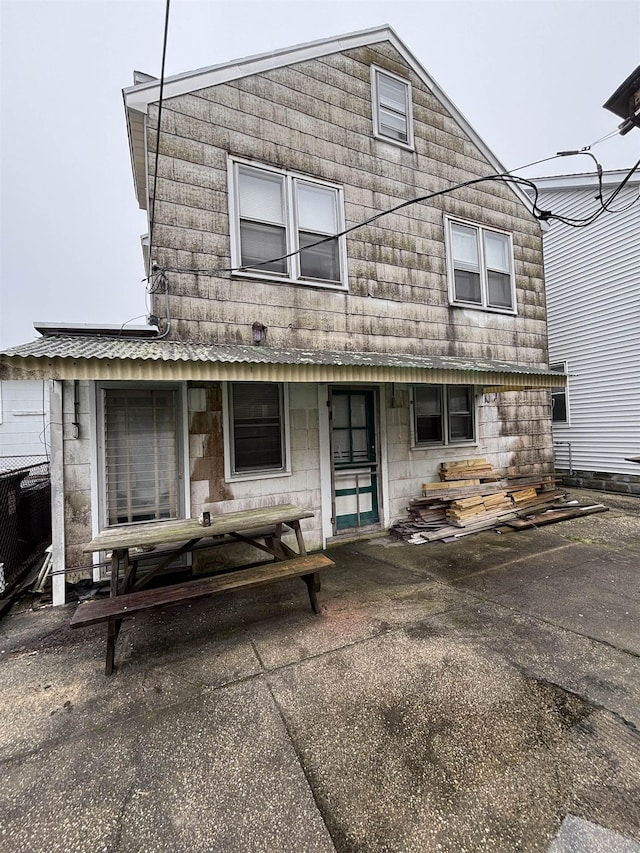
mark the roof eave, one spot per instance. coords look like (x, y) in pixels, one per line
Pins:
(14, 367)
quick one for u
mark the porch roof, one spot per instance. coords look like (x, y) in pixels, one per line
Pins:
(103, 357)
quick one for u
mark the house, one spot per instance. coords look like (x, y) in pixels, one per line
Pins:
(344, 298)
(593, 285)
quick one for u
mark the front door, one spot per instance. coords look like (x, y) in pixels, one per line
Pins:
(355, 463)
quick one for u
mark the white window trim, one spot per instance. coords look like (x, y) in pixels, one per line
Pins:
(438, 445)
(483, 306)
(291, 227)
(98, 485)
(229, 475)
(565, 370)
(375, 109)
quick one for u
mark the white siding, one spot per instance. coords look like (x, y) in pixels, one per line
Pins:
(23, 418)
(593, 303)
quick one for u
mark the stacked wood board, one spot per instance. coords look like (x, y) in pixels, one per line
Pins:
(472, 496)
(465, 469)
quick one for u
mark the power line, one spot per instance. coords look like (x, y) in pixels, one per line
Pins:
(160, 103)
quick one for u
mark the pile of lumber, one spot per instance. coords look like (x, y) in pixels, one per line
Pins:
(472, 496)
(468, 469)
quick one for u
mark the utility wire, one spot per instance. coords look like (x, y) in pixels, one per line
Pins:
(152, 218)
(504, 177)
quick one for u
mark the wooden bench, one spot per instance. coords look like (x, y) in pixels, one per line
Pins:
(113, 610)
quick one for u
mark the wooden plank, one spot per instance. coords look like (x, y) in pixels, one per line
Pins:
(179, 530)
(93, 612)
(555, 515)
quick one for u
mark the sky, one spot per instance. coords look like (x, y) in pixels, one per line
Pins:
(529, 75)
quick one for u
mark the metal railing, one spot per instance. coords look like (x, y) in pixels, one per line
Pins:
(25, 516)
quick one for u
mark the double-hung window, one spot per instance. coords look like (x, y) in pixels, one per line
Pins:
(391, 103)
(257, 429)
(443, 414)
(480, 262)
(284, 226)
(141, 454)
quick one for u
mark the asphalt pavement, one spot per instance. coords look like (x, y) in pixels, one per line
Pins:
(482, 695)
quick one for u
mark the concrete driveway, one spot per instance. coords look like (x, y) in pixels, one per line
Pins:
(476, 696)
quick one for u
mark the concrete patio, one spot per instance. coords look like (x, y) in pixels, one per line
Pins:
(482, 695)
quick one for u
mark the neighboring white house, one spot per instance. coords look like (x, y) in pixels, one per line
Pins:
(24, 408)
(592, 276)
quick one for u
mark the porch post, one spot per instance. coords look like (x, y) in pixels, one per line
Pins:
(56, 472)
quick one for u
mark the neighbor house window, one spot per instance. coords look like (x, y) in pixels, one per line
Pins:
(480, 262)
(559, 397)
(141, 454)
(283, 226)
(443, 414)
(257, 427)
(391, 102)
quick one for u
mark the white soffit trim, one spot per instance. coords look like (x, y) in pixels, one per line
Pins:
(137, 98)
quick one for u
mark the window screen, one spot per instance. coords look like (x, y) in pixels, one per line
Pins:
(257, 428)
(141, 454)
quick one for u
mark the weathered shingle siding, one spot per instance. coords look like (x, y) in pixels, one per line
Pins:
(315, 118)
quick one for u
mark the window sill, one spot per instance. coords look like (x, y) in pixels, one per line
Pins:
(256, 475)
(441, 447)
(395, 142)
(300, 282)
(473, 306)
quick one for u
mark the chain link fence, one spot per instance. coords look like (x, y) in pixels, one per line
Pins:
(25, 516)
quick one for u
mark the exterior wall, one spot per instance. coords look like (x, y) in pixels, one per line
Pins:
(77, 448)
(24, 418)
(593, 281)
(210, 491)
(315, 118)
(501, 439)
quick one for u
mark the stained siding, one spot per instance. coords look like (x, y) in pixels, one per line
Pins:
(593, 299)
(315, 118)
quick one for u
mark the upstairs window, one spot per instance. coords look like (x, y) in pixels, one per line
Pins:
(392, 113)
(443, 414)
(280, 222)
(480, 263)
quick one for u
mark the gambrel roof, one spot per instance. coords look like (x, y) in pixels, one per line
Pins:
(137, 98)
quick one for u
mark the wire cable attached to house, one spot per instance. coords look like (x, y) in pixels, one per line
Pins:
(152, 218)
(157, 280)
(504, 177)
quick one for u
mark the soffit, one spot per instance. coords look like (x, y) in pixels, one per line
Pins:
(104, 358)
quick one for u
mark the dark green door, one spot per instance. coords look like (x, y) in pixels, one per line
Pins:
(355, 458)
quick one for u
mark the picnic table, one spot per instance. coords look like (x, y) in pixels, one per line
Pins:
(130, 592)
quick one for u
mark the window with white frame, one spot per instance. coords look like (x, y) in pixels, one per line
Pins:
(443, 414)
(141, 454)
(392, 109)
(480, 265)
(284, 225)
(559, 397)
(256, 420)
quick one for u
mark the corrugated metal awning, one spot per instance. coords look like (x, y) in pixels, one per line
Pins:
(100, 357)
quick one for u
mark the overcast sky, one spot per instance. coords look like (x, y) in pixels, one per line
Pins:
(530, 76)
